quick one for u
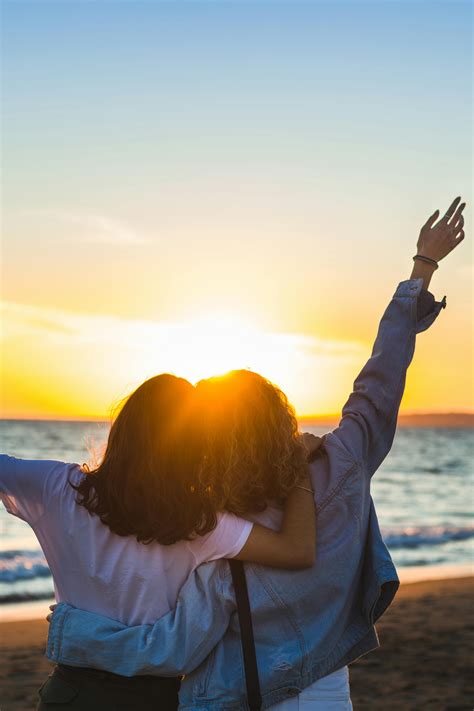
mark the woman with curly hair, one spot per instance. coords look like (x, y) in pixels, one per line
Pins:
(253, 452)
(308, 625)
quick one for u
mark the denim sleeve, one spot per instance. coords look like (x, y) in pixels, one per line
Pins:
(369, 417)
(175, 644)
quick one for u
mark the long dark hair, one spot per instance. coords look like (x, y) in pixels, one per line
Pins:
(147, 484)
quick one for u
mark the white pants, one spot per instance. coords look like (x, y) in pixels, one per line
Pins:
(331, 693)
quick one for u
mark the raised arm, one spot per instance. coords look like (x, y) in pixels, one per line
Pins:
(369, 417)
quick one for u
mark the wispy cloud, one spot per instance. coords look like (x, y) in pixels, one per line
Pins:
(93, 228)
(24, 318)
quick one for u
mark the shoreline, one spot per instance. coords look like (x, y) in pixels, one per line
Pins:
(38, 609)
(422, 573)
(425, 660)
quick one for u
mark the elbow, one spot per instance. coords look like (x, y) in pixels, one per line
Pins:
(308, 559)
(304, 559)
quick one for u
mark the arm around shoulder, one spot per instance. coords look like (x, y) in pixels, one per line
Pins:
(173, 645)
(294, 546)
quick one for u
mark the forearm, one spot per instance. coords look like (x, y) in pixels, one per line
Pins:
(423, 270)
(175, 644)
(293, 546)
(370, 414)
(299, 520)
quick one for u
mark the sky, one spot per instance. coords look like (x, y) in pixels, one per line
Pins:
(196, 186)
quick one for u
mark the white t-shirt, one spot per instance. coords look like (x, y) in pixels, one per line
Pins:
(95, 569)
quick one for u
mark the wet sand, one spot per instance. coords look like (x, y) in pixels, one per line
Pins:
(426, 660)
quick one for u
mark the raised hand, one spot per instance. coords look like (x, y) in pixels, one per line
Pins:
(438, 240)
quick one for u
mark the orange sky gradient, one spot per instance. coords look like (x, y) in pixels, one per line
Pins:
(183, 196)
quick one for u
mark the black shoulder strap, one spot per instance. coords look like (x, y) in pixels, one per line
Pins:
(254, 696)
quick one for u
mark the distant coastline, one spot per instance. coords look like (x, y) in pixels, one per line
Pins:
(419, 419)
(450, 419)
(428, 419)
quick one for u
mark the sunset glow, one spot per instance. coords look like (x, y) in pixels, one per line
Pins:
(174, 203)
(82, 365)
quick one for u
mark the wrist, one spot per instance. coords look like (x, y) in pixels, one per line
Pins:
(422, 257)
(304, 480)
(423, 270)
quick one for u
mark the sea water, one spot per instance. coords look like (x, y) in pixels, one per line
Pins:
(423, 493)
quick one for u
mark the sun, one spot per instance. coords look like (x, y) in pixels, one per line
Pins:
(209, 345)
(218, 342)
(98, 360)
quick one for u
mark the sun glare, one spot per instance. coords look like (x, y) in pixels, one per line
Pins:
(98, 360)
(309, 370)
(210, 345)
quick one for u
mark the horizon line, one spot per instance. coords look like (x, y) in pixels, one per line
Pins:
(325, 417)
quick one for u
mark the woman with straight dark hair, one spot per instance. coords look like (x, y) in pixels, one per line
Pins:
(122, 538)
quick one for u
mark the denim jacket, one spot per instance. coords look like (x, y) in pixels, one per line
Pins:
(309, 623)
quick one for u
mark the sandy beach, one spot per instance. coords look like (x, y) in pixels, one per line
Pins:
(426, 660)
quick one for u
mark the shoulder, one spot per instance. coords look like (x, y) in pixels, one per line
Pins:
(226, 540)
(334, 471)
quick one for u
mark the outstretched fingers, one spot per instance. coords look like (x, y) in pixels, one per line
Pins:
(438, 237)
(432, 219)
(457, 215)
(454, 210)
(459, 238)
(458, 225)
(456, 232)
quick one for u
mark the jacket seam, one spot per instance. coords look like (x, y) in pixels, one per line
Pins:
(203, 683)
(340, 485)
(282, 604)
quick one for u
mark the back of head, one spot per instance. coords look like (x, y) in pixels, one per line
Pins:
(252, 450)
(147, 483)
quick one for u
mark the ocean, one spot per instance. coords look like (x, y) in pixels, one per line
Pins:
(423, 494)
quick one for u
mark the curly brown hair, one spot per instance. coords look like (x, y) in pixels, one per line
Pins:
(252, 451)
(147, 484)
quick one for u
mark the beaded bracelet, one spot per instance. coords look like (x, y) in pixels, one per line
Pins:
(428, 260)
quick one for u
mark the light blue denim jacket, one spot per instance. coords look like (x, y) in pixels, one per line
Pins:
(309, 623)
